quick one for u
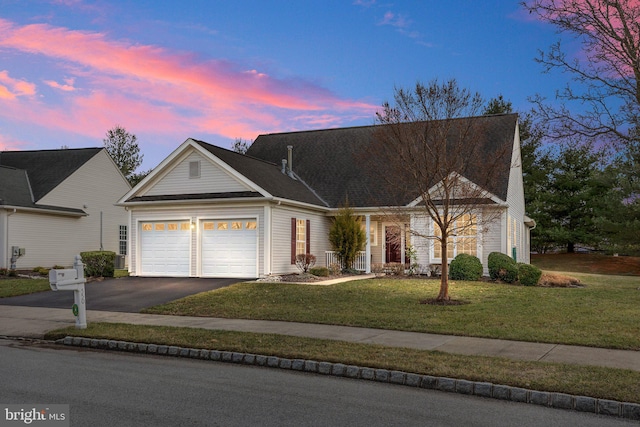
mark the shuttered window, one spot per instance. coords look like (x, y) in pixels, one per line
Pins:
(300, 238)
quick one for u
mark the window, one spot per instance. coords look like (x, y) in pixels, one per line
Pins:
(194, 169)
(300, 241)
(373, 235)
(123, 240)
(463, 239)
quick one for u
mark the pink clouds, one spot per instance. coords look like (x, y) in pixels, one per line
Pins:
(150, 88)
(11, 88)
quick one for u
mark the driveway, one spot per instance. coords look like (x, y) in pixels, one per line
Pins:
(127, 294)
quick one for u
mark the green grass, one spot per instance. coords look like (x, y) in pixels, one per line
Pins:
(605, 313)
(120, 273)
(605, 383)
(15, 287)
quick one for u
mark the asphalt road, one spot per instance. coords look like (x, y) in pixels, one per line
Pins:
(127, 294)
(108, 388)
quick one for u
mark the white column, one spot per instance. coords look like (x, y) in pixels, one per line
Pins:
(367, 253)
(266, 235)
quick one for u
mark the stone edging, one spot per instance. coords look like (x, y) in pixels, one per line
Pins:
(483, 389)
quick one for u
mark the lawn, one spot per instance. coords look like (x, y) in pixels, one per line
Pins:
(11, 287)
(604, 313)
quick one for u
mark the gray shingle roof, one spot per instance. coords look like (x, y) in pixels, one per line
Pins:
(27, 176)
(47, 168)
(267, 175)
(337, 165)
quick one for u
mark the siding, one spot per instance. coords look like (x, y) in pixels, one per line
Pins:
(515, 199)
(212, 179)
(281, 237)
(51, 239)
(197, 212)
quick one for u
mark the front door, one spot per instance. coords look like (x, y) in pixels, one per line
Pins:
(393, 244)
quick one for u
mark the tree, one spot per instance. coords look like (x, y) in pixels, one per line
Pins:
(606, 79)
(123, 148)
(241, 146)
(429, 143)
(346, 236)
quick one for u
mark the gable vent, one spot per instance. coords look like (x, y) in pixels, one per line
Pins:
(194, 169)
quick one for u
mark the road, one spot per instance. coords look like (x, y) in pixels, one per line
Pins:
(110, 388)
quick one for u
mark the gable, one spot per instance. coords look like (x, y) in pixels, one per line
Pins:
(46, 169)
(212, 178)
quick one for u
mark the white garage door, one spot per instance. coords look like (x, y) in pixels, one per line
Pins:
(164, 248)
(229, 248)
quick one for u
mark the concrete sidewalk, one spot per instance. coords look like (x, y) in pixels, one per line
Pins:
(34, 322)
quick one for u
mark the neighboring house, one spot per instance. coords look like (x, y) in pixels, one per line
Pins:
(209, 212)
(55, 204)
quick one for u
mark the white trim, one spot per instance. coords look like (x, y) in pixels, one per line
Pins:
(367, 221)
(434, 188)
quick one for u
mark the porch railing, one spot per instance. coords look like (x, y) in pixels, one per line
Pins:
(360, 263)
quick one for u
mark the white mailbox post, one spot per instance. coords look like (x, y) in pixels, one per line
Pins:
(72, 279)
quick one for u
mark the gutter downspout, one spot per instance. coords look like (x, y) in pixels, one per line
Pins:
(7, 236)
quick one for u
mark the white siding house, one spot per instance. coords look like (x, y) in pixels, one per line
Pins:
(70, 208)
(209, 212)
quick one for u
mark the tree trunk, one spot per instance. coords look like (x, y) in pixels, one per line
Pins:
(444, 270)
(570, 247)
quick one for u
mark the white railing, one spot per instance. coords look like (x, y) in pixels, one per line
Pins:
(360, 263)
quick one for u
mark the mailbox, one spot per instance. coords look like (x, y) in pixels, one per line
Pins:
(72, 279)
(67, 279)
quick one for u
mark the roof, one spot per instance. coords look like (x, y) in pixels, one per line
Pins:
(338, 165)
(46, 169)
(28, 176)
(267, 175)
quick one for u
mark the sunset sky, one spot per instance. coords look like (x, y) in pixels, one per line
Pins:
(219, 70)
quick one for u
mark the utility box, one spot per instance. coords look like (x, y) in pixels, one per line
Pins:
(119, 262)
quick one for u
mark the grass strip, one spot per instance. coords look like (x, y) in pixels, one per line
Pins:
(604, 383)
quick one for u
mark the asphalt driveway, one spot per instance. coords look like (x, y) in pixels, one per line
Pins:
(126, 294)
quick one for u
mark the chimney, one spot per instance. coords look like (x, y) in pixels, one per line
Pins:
(290, 162)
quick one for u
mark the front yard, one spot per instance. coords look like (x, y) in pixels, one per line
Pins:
(604, 313)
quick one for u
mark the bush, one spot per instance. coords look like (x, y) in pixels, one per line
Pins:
(98, 263)
(465, 267)
(41, 271)
(502, 267)
(319, 271)
(528, 274)
(305, 261)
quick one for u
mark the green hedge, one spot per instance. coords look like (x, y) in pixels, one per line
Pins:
(465, 267)
(528, 274)
(98, 263)
(319, 271)
(502, 267)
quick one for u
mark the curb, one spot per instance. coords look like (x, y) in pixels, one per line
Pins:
(593, 405)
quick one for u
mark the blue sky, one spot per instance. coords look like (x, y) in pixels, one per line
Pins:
(217, 70)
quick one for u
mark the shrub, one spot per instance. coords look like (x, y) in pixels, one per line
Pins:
(556, 280)
(98, 263)
(528, 274)
(319, 271)
(41, 271)
(3, 271)
(304, 261)
(347, 237)
(465, 267)
(502, 267)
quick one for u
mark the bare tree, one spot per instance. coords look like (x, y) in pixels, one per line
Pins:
(605, 77)
(437, 154)
(241, 145)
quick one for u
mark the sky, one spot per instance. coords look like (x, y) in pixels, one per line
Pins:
(70, 70)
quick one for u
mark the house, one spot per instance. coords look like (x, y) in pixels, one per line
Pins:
(55, 204)
(209, 212)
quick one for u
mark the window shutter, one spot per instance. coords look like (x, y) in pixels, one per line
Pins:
(308, 236)
(293, 241)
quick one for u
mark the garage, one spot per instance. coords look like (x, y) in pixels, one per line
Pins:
(229, 247)
(164, 248)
